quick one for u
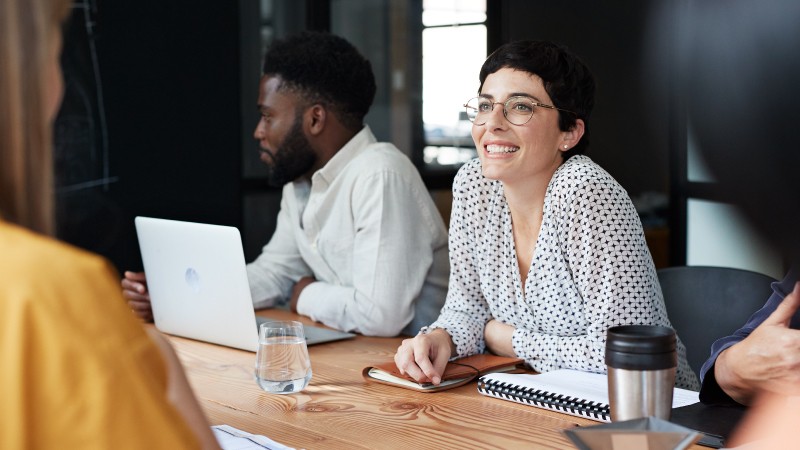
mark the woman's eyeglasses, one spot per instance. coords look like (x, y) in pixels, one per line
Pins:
(518, 109)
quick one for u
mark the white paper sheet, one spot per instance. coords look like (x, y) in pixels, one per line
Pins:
(231, 438)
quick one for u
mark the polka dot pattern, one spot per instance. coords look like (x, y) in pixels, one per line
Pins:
(591, 270)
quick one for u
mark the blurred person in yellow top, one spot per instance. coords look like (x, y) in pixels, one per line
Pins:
(78, 370)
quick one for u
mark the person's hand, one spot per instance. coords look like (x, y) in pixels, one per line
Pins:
(297, 290)
(769, 358)
(424, 357)
(498, 338)
(134, 288)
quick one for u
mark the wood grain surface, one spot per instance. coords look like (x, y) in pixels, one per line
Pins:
(339, 410)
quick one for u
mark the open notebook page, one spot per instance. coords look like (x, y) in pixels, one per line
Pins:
(578, 384)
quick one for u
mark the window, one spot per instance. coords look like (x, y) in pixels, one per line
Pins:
(453, 49)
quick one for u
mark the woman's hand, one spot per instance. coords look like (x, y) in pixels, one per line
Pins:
(425, 356)
(498, 338)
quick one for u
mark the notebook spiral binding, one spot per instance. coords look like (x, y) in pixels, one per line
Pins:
(543, 399)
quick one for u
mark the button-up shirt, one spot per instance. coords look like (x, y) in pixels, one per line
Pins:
(366, 228)
(591, 270)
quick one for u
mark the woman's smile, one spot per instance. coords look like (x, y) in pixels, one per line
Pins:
(496, 148)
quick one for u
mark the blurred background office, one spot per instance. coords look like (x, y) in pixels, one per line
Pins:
(160, 107)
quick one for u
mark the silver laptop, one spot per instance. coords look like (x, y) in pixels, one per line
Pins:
(198, 284)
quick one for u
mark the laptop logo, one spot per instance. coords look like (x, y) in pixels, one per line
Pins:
(193, 279)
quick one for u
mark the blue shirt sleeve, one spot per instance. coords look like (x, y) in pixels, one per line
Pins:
(710, 392)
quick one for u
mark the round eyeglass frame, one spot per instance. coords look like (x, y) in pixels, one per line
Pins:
(473, 113)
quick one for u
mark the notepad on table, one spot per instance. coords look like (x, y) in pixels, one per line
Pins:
(574, 392)
(457, 372)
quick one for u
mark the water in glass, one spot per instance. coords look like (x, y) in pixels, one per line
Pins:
(282, 362)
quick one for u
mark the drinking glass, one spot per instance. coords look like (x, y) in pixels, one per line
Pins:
(282, 363)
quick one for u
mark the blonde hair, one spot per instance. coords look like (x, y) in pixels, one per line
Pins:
(27, 30)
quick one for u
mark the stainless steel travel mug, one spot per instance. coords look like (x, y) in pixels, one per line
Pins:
(641, 361)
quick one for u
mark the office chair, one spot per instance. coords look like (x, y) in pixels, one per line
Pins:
(707, 303)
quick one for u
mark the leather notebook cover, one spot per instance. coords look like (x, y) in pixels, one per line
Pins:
(458, 372)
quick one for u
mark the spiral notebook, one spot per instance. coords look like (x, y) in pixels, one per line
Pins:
(581, 394)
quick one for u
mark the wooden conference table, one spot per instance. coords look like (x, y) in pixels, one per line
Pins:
(339, 410)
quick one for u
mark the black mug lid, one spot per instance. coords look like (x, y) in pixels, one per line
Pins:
(641, 339)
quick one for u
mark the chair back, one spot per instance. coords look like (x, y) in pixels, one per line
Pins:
(706, 303)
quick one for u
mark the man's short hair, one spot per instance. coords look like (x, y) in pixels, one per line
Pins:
(324, 68)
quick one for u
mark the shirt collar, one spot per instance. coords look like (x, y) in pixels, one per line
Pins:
(354, 147)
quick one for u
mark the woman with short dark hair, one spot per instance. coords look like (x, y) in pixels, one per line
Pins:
(546, 248)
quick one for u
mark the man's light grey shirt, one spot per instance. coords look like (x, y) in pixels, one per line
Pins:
(366, 229)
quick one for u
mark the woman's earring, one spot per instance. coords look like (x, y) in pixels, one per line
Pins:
(565, 145)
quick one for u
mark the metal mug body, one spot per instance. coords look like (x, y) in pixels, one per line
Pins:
(640, 393)
(642, 362)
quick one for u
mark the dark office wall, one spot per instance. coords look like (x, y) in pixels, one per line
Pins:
(171, 80)
(371, 37)
(630, 120)
(81, 153)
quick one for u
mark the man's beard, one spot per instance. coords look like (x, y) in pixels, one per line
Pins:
(293, 158)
